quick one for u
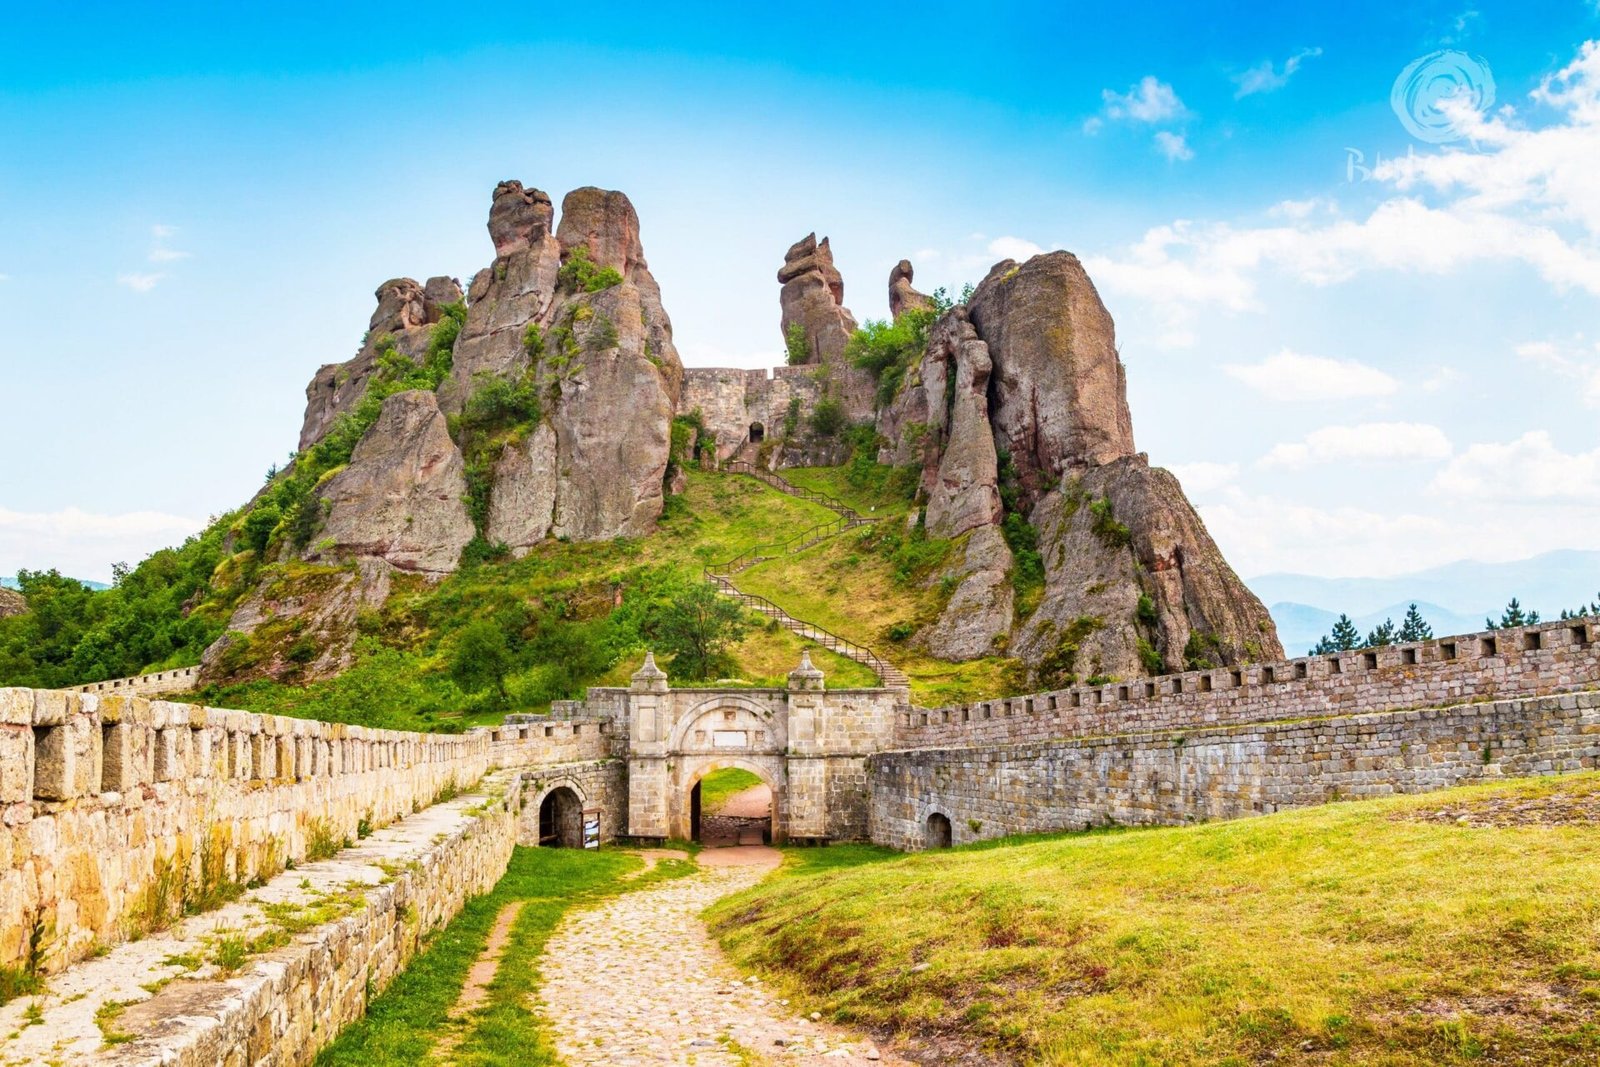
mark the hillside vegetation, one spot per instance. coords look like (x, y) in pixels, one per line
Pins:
(1451, 928)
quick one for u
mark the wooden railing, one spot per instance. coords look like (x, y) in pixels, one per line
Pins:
(721, 574)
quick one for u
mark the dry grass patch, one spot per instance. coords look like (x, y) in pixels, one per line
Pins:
(1350, 933)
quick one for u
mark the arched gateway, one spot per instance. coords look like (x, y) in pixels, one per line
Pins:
(808, 744)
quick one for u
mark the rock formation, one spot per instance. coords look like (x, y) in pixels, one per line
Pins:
(12, 603)
(1020, 401)
(813, 299)
(585, 473)
(588, 353)
(401, 498)
(405, 315)
(903, 298)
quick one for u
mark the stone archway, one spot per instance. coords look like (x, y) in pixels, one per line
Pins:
(940, 833)
(758, 433)
(690, 807)
(561, 818)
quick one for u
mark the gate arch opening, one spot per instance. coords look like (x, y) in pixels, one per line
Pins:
(561, 819)
(758, 433)
(940, 833)
(732, 805)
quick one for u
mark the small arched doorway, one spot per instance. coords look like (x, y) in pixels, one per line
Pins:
(939, 831)
(758, 433)
(732, 806)
(561, 819)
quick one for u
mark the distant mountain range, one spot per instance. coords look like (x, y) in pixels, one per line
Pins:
(10, 582)
(1454, 598)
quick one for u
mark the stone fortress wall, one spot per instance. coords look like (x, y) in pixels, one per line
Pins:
(173, 680)
(1545, 658)
(106, 799)
(1222, 772)
(1249, 740)
(749, 407)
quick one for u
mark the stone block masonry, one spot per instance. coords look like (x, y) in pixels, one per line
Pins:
(169, 1003)
(175, 680)
(1533, 660)
(1219, 772)
(111, 806)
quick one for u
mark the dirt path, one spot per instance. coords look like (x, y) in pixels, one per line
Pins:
(637, 980)
(752, 803)
(475, 990)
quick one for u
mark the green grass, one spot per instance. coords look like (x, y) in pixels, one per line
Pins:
(1342, 934)
(718, 786)
(845, 585)
(403, 1024)
(557, 605)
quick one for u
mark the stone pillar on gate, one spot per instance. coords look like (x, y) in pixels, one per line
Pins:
(649, 737)
(806, 766)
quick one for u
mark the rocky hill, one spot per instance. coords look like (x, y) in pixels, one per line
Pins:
(547, 403)
(11, 603)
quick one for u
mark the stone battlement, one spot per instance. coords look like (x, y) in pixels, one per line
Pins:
(174, 680)
(1535, 660)
(107, 800)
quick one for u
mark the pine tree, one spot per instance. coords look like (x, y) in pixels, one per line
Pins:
(1514, 616)
(1382, 634)
(1582, 610)
(1344, 637)
(1414, 627)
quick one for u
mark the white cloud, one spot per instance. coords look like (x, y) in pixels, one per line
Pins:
(1292, 376)
(1266, 78)
(5, 277)
(1151, 100)
(139, 282)
(1174, 146)
(1573, 361)
(84, 544)
(1264, 533)
(1013, 248)
(1204, 476)
(1368, 442)
(1529, 468)
(159, 251)
(1521, 195)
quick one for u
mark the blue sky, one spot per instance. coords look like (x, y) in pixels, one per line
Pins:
(1355, 369)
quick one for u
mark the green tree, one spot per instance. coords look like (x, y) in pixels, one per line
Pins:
(1382, 634)
(1513, 616)
(1414, 627)
(827, 418)
(697, 628)
(1343, 638)
(482, 659)
(796, 348)
(1582, 610)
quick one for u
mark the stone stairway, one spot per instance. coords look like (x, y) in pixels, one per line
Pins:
(721, 574)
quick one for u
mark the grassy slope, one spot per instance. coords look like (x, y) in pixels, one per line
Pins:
(845, 586)
(718, 786)
(398, 680)
(403, 1025)
(1342, 934)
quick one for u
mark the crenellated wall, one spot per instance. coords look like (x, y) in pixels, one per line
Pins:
(105, 800)
(175, 680)
(1219, 772)
(732, 401)
(1532, 660)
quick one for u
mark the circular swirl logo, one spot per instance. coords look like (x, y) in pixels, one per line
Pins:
(1429, 93)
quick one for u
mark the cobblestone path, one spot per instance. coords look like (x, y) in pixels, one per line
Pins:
(637, 980)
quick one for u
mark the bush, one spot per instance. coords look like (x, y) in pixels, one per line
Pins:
(482, 659)
(1111, 533)
(797, 349)
(828, 418)
(581, 274)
